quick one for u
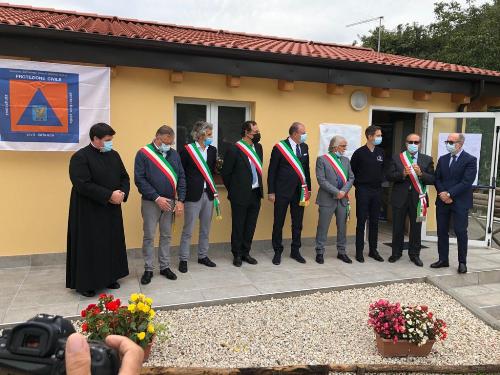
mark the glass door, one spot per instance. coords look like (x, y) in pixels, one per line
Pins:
(481, 140)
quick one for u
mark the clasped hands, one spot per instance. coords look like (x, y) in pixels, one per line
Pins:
(165, 204)
(117, 197)
(416, 168)
(445, 198)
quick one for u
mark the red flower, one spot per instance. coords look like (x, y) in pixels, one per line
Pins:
(102, 296)
(424, 308)
(113, 305)
(83, 313)
(85, 327)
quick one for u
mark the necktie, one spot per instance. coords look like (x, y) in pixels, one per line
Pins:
(453, 161)
(297, 150)
(254, 173)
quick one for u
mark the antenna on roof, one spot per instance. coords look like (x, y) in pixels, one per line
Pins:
(370, 20)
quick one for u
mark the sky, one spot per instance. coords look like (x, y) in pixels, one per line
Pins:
(316, 20)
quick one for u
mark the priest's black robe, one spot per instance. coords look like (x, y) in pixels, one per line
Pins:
(96, 252)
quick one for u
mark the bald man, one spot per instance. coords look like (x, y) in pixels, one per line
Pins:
(455, 173)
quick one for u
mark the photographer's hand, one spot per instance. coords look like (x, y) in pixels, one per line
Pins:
(130, 353)
(77, 355)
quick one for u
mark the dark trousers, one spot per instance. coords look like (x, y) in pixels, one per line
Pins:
(368, 201)
(297, 212)
(244, 220)
(460, 222)
(399, 215)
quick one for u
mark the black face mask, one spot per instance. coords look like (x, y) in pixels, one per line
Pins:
(256, 138)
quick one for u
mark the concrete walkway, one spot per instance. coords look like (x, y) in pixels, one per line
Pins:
(30, 290)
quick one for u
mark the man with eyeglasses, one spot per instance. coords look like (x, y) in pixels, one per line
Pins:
(411, 172)
(455, 174)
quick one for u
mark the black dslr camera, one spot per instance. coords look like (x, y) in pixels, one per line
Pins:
(37, 347)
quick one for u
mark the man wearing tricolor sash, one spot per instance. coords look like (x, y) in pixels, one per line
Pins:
(159, 177)
(242, 176)
(335, 179)
(198, 160)
(289, 184)
(410, 171)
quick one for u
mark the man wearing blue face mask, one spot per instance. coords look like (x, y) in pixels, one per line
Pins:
(455, 174)
(160, 179)
(368, 166)
(198, 160)
(411, 172)
(97, 255)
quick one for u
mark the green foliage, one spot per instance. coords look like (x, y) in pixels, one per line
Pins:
(465, 35)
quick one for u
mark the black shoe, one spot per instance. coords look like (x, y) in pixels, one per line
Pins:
(462, 268)
(375, 255)
(114, 285)
(237, 261)
(394, 258)
(360, 258)
(416, 260)
(320, 259)
(146, 277)
(277, 258)
(207, 262)
(440, 264)
(344, 258)
(167, 272)
(297, 257)
(183, 266)
(88, 293)
(249, 259)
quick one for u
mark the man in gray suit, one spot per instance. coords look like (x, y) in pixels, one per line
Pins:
(410, 172)
(335, 179)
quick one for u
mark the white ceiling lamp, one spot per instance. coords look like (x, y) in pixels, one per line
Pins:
(359, 100)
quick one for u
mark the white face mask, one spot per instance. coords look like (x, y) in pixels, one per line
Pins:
(451, 148)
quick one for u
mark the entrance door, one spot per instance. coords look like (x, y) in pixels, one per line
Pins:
(481, 131)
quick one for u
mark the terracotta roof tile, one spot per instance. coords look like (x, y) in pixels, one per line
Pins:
(130, 28)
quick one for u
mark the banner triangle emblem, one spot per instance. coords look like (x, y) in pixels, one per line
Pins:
(39, 112)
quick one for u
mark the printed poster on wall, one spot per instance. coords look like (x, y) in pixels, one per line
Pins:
(50, 107)
(352, 133)
(472, 145)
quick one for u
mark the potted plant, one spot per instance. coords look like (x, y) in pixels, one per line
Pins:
(110, 317)
(402, 331)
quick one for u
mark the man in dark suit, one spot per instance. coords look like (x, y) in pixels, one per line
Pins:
(455, 174)
(289, 185)
(242, 176)
(198, 160)
(410, 171)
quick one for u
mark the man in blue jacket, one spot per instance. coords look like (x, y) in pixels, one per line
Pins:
(455, 174)
(159, 176)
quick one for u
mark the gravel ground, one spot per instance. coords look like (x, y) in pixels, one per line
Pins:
(315, 329)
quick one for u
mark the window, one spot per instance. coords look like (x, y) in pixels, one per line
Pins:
(226, 117)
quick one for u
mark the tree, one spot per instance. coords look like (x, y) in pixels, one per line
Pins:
(468, 35)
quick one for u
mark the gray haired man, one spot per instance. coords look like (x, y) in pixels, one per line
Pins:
(198, 160)
(335, 179)
(159, 176)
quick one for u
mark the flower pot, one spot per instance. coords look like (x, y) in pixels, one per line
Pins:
(402, 348)
(147, 349)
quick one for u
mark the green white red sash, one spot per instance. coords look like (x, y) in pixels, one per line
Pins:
(419, 187)
(251, 154)
(290, 156)
(339, 168)
(162, 164)
(202, 166)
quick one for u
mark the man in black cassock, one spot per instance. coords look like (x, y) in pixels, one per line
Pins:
(96, 256)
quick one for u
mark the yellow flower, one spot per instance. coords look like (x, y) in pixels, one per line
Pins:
(152, 313)
(141, 335)
(151, 328)
(149, 301)
(132, 307)
(146, 308)
(140, 306)
(134, 297)
(141, 296)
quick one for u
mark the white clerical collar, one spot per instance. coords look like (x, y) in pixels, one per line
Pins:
(93, 145)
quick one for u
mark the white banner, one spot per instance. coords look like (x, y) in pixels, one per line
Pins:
(352, 133)
(50, 107)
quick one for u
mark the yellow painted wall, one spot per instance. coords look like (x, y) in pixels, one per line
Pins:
(35, 188)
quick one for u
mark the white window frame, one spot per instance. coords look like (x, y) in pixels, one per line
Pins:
(212, 112)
